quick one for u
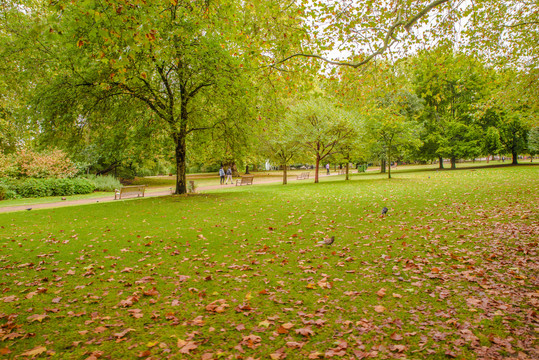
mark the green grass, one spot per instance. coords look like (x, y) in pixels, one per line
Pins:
(459, 251)
(53, 199)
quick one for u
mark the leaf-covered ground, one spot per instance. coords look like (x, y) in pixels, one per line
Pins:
(238, 274)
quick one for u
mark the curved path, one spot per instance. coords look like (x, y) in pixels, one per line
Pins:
(110, 198)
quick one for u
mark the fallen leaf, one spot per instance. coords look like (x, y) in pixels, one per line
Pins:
(35, 351)
(306, 331)
(379, 309)
(37, 317)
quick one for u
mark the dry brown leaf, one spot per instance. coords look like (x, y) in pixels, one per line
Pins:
(37, 317)
(35, 351)
(188, 347)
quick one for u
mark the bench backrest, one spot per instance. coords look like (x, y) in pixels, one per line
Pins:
(132, 189)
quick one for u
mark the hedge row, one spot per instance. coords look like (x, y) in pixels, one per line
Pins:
(11, 188)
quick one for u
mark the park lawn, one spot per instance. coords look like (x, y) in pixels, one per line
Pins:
(451, 272)
(54, 199)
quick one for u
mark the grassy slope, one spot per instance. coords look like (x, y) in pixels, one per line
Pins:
(457, 259)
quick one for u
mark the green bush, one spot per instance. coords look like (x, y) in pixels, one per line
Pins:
(32, 188)
(104, 183)
(7, 186)
(82, 186)
(62, 187)
(3, 191)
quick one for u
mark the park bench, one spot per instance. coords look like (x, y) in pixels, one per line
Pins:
(245, 180)
(129, 190)
(303, 176)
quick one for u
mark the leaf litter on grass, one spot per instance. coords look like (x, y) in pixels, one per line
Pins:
(237, 276)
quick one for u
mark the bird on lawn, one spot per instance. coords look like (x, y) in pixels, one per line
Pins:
(28, 209)
(327, 241)
(384, 211)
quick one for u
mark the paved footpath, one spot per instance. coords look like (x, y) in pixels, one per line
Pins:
(109, 198)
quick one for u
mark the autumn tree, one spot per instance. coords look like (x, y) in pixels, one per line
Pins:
(182, 64)
(320, 126)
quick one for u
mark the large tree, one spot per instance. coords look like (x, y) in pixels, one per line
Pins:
(451, 84)
(180, 63)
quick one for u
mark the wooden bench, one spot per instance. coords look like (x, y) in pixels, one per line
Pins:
(303, 176)
(129, 190)
(245, 180)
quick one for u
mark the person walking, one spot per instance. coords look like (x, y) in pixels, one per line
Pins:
(327, 168)
(222, 175)
(229, 176)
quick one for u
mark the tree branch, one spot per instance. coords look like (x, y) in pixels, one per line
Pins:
(388, 40)
(408, 25)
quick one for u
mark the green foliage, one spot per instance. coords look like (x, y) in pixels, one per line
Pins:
(32, 188)
(533, 140)
(104, 182)
(319, 126)
(513, 134)
(452, 85)
(491, 142)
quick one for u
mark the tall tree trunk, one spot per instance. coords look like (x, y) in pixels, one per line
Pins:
(389, 164)
(180, 154)
(347, 169)
(316, 168)
(453, 163)
(382, 166)
(441, 162)
(515, 157)
(285, 179)
(488, 158)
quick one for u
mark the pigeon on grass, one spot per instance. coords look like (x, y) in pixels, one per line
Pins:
(327, 241)
(384, 211)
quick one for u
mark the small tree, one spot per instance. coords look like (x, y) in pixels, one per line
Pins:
(319, 126)
(491, 142)
(278, 147)
(392, 133)
(533, 142)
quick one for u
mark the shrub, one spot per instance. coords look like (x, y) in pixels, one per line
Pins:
(51, 187)
(105, 183)
(27, 163)
(82, 186)
(62, 187)
(3, 191)
(34, 188)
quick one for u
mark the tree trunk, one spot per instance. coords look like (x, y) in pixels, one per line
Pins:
(285, 179)
(382, 166)
(317, 169)
(389, 164)
(180, 154)
(515, 157)
(453, 163)
(246, 169)
(347, 170)
(488, 158)
(441, 160)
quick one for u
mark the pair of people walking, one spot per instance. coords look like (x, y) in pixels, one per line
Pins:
(228, 175)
